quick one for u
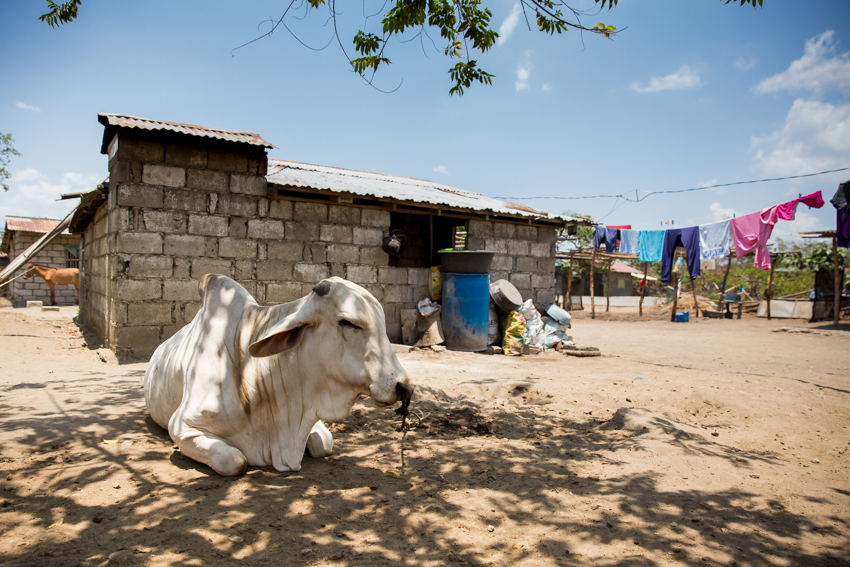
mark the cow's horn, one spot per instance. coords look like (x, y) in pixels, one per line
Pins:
(322, 288)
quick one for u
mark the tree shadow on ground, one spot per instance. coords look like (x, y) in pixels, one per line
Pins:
(114, 480)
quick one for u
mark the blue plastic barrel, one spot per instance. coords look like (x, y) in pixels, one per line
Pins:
(466, 309)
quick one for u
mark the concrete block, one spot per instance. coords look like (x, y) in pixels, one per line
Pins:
(520, 281)
(392, 275)
(237, 205)
(517, 247)
(335, 233)
(138, 195)
(208, 180)
(545, 264)
(344, 215)
(140, 150)
(185, 156)
(375, 217)
(526, 264)
(136, 337)
(301, 231)
(265, 228)
(367, 235)
(248, 185)
(287, 251)
(238, 227)
(343, 253)
(337, 270)
(361, 274)
(137, 290)
(150, 266)
(479, 228)
(541, 249)
(174, 290)
(181, 268)
(543, 281)
(237, 248)
(280, 209)
(139, 243)
(190, 310)
(374, 256)
(158, 313)
(504, 230)
(401, 349)
(315, 253)
(243, 270)
(419, 277)
(398, 294)
(250, 286)
(376, 290)
(545, 297)
(227, 161)
(273, 270)
(169, 331)
(208, 225)
(310, 212)
(309, 273)
(526, 232)
(497, 245)
(36, 304)
(283, 292)
(165, 175)
(183, 200)
(476, 243)
(203, 266)
(165, 221)
(263, 205)
(547, 234)
(502, 263)
(211, 247)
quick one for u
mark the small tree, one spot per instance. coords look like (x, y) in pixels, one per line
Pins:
(7, 150)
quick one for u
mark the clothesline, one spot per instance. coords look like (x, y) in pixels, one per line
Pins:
(710, 241)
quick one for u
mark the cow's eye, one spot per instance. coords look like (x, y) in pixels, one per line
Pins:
(345, 324)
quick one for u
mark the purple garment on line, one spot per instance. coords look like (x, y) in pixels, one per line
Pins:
(842, 227)
(687, 237)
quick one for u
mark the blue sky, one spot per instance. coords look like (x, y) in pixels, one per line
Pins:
(689, 94)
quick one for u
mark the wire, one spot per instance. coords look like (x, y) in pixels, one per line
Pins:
(638, 198)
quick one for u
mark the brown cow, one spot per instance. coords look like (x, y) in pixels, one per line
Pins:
(54, 277)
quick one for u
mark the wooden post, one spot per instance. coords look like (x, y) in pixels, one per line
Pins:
(694, 291)
(592, 295)
(642, 291)
(675, 283)
(723, 288)
(569, 301)
(769, 293)
(837, 303)
(608, 287)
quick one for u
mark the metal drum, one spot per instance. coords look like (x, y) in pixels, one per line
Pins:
(466, 308)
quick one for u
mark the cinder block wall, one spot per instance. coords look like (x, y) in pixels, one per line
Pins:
(53, 256)
(525, 256)
(175, 213)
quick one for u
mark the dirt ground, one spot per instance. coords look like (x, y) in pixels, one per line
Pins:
(712, 442)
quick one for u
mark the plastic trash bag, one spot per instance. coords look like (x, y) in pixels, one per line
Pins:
(514, 338)
(553, 333)
(493, 336)
(427, 307)
(534, 332)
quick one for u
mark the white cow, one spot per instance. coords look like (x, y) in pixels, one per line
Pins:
(247, 385)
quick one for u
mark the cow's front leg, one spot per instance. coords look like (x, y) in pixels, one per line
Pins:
(320, 442)
(206, 448)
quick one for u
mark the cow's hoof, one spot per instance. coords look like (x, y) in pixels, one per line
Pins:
(320, 442)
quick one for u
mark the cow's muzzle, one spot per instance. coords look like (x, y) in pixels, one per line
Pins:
(405, 393)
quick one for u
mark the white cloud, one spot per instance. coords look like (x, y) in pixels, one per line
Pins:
(27, 107)
(441, 169)
(684, 78)
(522, 74)
(745, 64)
(817, 70)
(32, 194)
(547, 88)
(816, 137)
(510, 23)
(719, 213)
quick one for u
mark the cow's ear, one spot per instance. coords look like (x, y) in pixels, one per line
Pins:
(284, 336)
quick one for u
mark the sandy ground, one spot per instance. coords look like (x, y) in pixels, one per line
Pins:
(707, 443)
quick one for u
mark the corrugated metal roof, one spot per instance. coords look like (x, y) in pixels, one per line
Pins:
(27, 224)
(383, 186)
(125, 121)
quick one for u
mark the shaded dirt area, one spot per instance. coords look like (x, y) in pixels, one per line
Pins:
(707, 443)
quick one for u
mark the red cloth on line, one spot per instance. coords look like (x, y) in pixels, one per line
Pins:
(620, 226)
